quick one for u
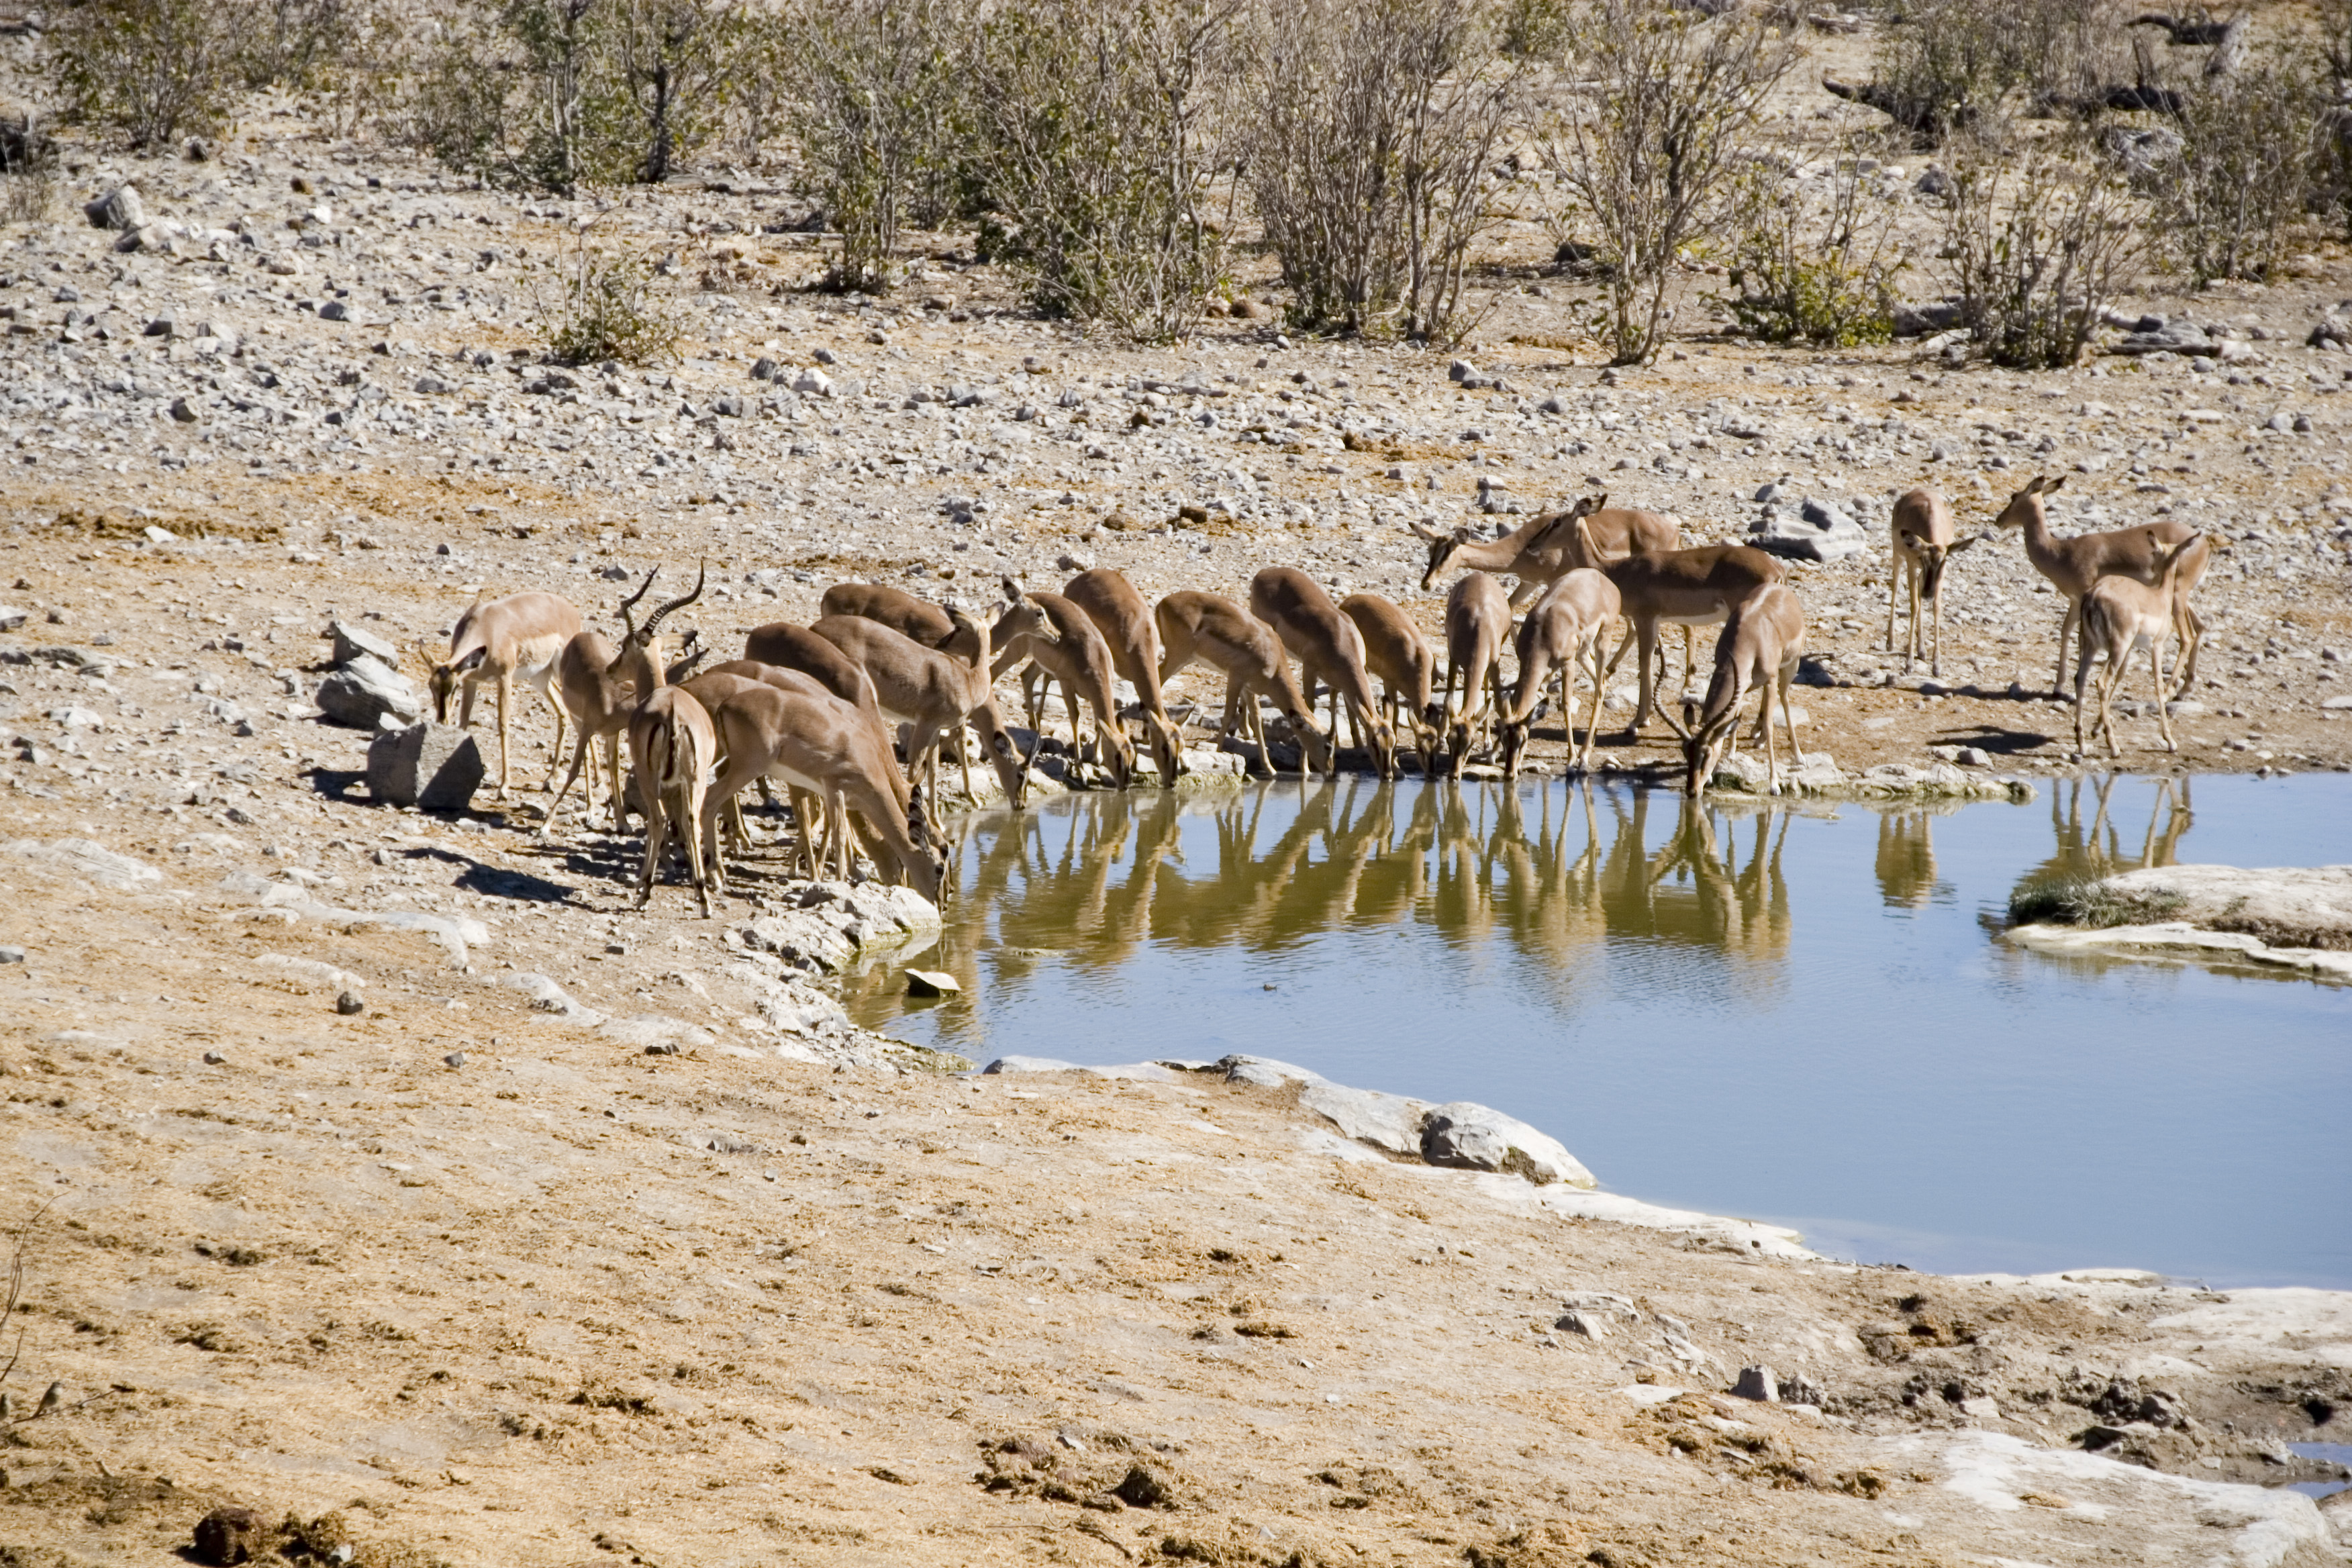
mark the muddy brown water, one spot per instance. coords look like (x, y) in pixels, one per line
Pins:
(1794, 1013)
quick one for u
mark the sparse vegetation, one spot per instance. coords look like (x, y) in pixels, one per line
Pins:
(1373, 133)
(1645, 151)
(2087, 901)
(878, 90)
(566, 93)
(2244, 170)
(1823, 277)
(2038, 244)
(1099, 122)
(607, 306)
(150, 70)
(29, 166)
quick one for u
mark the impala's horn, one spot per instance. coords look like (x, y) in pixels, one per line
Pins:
(654, 621)
(628, 625)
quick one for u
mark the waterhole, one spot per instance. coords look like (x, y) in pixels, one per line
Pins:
(1799, 1014)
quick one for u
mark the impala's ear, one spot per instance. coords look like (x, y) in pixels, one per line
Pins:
(1012, 591)
(2054, 486)
(2033, 486)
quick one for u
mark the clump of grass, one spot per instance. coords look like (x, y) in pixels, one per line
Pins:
(2088, 901)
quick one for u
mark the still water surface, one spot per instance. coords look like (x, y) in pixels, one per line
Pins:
(1791, 1013)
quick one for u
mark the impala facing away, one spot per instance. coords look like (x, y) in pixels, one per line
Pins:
(515, 638)
(1924, 546)
(1763, 641)
(1061, 642)
(1125, 621)
(1477, 625)
(2121, 614)
(1396, 651)
(933, 693)
(2073, 566)
(819, 745)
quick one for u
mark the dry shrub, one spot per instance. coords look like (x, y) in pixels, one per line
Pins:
(2252, 144)
(607, 306)
(1819, 275)
(29, 171)
(1947, 66)
(299, 43)
(563, 94)
(879, 88)
(1645, 147)
(1372, 128)
(1099, 122)
(152, 70)
(2038, 242)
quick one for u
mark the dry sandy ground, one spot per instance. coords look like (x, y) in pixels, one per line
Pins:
(566, 1302)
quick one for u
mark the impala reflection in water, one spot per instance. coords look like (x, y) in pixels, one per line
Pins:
(1791, 1011)
(1542, 878)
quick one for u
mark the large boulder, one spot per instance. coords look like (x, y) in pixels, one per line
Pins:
(1388, 1121)
(836, 921)
(1817, 531)
(121, 209)
(354, 642)
(364, 692)
(435, 766)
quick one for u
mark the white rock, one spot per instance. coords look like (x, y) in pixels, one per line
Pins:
(1479, 1138)
(1387, 1121)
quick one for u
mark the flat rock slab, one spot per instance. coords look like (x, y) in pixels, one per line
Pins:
(2314, 903)
(2177, 939)
(362, 692)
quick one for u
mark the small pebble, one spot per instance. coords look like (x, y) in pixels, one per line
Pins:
(455, 1058)
(349, 1003)
(213, 1058)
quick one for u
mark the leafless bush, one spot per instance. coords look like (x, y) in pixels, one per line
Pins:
(2037, 244)
(1645, 151)
(297, 43)
(1372, 130)
(877, 82)
(675, 59)
(1947, 66)
(1820, 274)
(2333, 52)
(152, 69)
(2251, 147)
(1098, 120)
(563, 94)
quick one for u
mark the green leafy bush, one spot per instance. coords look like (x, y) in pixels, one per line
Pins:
(1825, 277)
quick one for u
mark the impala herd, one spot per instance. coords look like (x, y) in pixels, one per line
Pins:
(850, 714)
